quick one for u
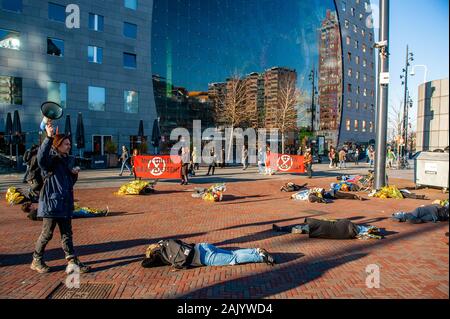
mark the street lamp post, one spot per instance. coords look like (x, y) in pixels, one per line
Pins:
(406, 100)
(312, 78)
(382, 101)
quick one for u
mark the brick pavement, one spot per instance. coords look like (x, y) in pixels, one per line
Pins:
(413, 259)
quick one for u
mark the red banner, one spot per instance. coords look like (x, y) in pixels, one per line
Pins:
(286, 163)
(157, 166)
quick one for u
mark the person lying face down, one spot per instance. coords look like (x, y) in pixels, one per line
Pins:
(181, 255)
(331, 229)
(429, 213)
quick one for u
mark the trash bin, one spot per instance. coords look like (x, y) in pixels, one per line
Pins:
(431, 169)
(99, 162)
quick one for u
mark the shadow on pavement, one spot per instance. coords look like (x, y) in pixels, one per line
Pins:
(281, 278)
(84, 250)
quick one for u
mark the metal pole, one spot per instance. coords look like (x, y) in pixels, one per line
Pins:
(382, 103)
(312, 102)
(405, 105)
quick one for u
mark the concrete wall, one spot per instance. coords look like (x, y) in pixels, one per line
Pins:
(432, 116)
(36, 67)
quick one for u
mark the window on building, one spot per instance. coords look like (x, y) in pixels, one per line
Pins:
(357, 90)
(55, 47)
(363, 32)
(130, 30)
(365, 77)
(347, 124)
(357, 75)
(363, 128)
(95, 54)
(370, 36)
(350, 71)
(349, 87)
(131, 101)
(349, 103)
(355, 28)
(347, 40)
(12, 5)
(357, 1)
(96, 98)
(346, 24)
(361, 16)
(349, 56)
(344, 5)
(355, 125)
(357, 59)
(57, 92)
(364, 62)
(10, 90)
(352, 10)
(357, 105)
(95, 22)
(129, 60)
(56, 12)
(367, 7)
(371, 65)
(365, 106)
(370, 127)
(9, 39)
(364, 48)
(356, 44)
(130, 4)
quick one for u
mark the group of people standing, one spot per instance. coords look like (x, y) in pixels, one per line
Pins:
(340, 157)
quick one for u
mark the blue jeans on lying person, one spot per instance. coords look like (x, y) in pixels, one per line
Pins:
(210, 255)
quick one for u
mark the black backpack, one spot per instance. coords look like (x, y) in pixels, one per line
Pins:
(34, 174)
(177, 253)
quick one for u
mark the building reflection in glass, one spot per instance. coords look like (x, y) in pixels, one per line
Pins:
(199, 46)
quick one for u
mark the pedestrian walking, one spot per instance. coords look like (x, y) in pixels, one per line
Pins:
(342, 158)
(390, 158)
(132, 160)
(331, 156)
(356, 156)
(125, 158)
(56, 201)
(244, 157)
(371, 156)
(185, 161)
(195, 158)
(212, 165)
(308, 161)
(261, 160)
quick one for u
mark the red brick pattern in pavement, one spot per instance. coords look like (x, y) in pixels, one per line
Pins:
(413, 259)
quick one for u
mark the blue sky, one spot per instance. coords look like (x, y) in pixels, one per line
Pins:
(424, 26)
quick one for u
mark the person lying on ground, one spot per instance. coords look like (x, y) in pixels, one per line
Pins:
(319, 195)
(429, 213)
(331, 229)
(181, 255)
(292, 187)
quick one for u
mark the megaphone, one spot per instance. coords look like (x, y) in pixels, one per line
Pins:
(50, 111)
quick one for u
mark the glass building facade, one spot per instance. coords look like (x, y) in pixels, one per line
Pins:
(199, 47)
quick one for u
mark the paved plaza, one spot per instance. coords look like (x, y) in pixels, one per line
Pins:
(413, 259)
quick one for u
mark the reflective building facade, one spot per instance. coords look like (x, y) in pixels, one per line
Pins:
(180, 60)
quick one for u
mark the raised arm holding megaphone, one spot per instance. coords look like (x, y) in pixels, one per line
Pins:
(50, 111)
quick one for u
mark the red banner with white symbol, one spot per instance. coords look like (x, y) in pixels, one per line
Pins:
(286, 163)
(157, 166)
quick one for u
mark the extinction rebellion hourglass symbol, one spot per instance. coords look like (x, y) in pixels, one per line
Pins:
(285, 163)
(157, 166)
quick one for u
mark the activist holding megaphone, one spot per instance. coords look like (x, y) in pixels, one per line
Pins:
(56, 203)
